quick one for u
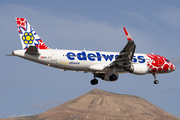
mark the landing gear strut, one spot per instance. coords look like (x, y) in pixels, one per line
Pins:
(155, 81)
(94, 81)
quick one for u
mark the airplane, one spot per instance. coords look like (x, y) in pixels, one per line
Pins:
(104, 65)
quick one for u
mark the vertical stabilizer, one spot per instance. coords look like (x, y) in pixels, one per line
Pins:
(28, 36)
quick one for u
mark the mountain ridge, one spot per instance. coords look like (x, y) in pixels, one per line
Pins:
(102, 105)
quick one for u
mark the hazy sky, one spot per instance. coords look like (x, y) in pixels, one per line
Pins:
(28, 88)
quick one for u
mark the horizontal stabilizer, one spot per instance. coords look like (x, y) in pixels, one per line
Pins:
(32, 50)
(10, 55)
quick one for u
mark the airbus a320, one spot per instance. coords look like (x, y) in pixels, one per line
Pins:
(104, 65)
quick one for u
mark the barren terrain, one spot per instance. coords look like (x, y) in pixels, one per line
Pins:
(101, 105)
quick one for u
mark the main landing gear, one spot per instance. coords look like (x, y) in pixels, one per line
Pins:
(155, 81)
(94, 81)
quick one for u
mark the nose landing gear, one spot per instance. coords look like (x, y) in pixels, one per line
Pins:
(155, 81)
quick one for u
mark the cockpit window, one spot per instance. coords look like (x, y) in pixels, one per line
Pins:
(167, 60)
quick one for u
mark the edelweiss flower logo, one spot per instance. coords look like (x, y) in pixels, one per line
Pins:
(28, 38)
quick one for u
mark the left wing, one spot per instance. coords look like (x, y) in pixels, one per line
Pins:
(125, 57)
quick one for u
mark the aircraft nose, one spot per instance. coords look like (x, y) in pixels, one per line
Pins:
(173, 67)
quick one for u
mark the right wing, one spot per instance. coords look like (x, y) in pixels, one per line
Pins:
(125, 57)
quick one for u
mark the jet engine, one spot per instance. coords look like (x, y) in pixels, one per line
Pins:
(138, 69)
(107, 76)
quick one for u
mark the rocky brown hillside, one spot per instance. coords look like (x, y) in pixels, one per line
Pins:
(102, 105)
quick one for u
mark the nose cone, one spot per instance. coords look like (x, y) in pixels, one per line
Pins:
(173, 67)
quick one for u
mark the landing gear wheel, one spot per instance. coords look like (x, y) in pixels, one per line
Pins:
(112, 77)
(94, 82)
(156, 81)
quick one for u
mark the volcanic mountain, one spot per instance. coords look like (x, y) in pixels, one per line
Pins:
(101, 105)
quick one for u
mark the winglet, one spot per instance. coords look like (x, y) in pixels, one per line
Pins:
(127, 34)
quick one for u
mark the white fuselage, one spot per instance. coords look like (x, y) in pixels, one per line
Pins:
(87, 61)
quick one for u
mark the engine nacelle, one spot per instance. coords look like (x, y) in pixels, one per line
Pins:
(138, 69)
(107, 76)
